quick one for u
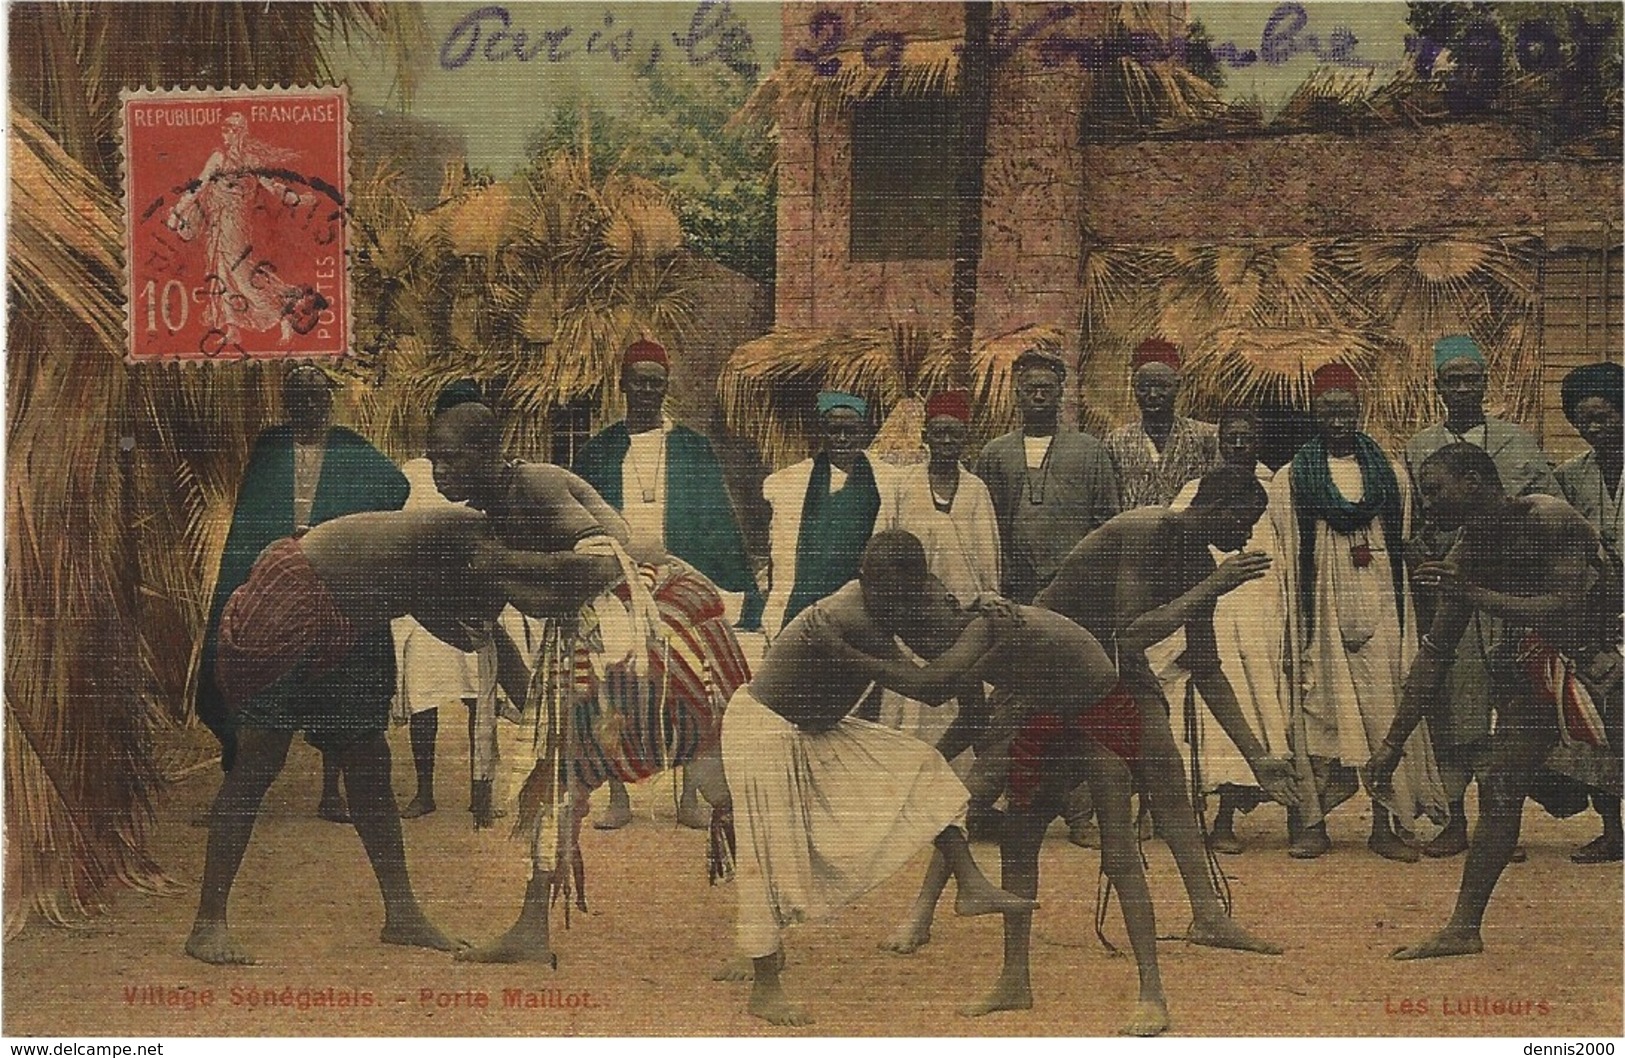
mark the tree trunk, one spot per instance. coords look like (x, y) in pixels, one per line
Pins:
(975, 80)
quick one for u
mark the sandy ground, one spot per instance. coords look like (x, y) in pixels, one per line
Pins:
(640, 962)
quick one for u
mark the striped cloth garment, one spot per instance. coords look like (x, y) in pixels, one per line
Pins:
(280, 616)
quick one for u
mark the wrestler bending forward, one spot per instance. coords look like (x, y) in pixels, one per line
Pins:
(305, 604)
(1076, 723)
(1131, 583)
(828, 806)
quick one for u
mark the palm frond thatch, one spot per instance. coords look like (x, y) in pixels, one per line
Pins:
(768, 387)
(108, 542)
(922, 67)
(65, 232)
(1254, 317)
(530, 285)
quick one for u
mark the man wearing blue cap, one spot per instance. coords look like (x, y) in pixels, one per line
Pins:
(1462, 729)
(824, 510)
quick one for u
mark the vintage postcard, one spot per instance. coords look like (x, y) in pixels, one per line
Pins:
(813, 519)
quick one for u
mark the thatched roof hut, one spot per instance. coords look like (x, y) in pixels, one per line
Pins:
(121, 480)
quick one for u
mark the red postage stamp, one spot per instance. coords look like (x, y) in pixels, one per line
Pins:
(235, 223)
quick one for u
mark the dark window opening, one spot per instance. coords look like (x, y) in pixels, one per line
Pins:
(905, 161)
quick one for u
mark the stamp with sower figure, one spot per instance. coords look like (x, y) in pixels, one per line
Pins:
(235, 223)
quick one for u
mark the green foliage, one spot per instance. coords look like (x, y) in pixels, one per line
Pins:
(675, 130)
(1558, 65)
(1199, 57)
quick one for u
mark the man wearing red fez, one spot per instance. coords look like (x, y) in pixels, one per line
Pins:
(948, 507)
(1340, 512)
(1461, 729)
(667, 482)
(949, 510)
(1156, 456)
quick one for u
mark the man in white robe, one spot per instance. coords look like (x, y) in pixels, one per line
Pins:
(1248, 628)
(828, 806)
(1339, 512)
(950, 511)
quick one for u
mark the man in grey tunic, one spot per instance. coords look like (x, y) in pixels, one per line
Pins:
(1461, 377)
(1051, 486)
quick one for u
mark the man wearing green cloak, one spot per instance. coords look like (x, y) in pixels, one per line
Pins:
(667, 483)
(302, 473)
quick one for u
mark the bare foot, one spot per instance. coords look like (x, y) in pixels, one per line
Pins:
(1224, 841)
(984, 898)
(415, 931)
(771, 1005)
(213, 943)
(615, 817)
(1225, 933)
(1448, 941)
(333, 812)
(1311, 844)
(736, 969)
(1006, 995)
(1452, 841)
(741, 968)
(519, 944)
(1150, 1018)
(418, 806)
(908, 938)
(1085, 836)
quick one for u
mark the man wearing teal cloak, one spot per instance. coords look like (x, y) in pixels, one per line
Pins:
(302, 473)
(667, 483)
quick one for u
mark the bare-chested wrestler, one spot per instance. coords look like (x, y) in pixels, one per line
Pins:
(829, 806)
(1132, 583)
(1536, 563)
(549, 523)
(1071, 720)
(283, 634)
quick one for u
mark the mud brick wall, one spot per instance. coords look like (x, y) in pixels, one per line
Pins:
(1032, 195)
(818, 283)
(1477, 177)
